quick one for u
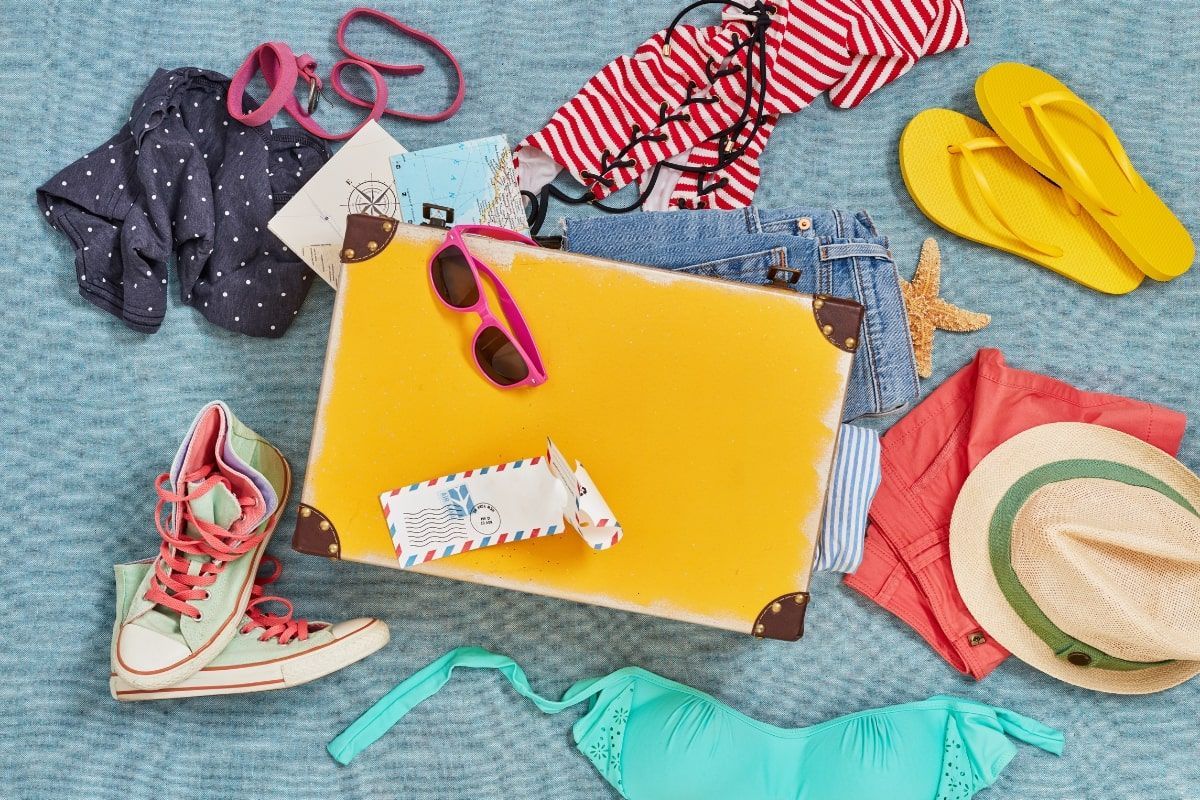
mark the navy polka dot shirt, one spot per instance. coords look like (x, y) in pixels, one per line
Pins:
(184, 179)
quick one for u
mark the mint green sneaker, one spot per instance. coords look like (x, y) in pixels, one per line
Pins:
(226, 490)
(267, 652)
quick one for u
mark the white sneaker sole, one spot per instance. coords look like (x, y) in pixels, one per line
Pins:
(263, 676)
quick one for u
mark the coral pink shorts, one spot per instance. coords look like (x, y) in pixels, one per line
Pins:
(926, 459)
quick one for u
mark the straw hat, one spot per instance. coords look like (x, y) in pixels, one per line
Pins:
(1077, 547)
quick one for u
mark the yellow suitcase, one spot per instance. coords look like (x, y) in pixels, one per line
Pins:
(706, 411)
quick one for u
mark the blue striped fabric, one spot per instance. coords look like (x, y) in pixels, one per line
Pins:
(851, 488)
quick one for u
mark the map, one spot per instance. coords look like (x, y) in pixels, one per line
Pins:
(373, 196)
(467, 182)
(357, 180)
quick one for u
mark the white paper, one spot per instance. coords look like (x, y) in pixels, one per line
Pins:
(357, 180)
(490, 506)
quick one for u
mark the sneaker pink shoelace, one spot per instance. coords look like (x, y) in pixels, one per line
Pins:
(275, 626)
(173, 586)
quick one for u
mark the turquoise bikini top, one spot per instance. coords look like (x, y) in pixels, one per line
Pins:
(655, 739)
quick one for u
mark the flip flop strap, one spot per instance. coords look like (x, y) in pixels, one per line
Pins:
(967, 151)
(1061, 150)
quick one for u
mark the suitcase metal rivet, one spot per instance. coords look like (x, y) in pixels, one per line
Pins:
(333, 547)
(372, 246)
(818, 302)
(827, 329)
(305, 512)
(387, 227)
(850, 342)
(347, 254)
(324, 525)
(759, 628)
(776, 607)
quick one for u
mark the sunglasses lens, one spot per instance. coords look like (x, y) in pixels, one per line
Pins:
(499, 358)
(453, 279)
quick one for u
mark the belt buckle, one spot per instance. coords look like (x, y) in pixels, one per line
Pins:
(783, 276)
(314, 93)
(780, 274)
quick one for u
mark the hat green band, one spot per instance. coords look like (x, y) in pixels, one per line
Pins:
(1000, 549)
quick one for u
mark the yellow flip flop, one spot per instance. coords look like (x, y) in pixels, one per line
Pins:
(965, 179)
(1069, 142)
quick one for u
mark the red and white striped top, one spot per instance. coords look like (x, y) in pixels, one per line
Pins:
(696, 88)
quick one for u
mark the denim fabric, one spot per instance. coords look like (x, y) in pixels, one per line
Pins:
(837, 253)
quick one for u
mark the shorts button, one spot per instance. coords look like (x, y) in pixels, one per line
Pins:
(804, 223)
(977, 638)
(1079, 659)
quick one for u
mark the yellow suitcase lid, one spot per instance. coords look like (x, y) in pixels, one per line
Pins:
(706, 411)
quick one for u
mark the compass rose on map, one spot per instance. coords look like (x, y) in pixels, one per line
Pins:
(373, 197)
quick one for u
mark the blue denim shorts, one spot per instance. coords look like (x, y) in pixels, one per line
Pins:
(837, 253)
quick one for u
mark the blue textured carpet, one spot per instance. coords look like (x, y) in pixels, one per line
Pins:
(92, 412)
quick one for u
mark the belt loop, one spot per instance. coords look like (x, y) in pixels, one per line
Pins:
(838, 224)
(865, 218)
(824, 272)
(753, 220)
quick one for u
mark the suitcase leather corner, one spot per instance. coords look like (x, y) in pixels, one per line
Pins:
(315, 534)
(782, 618)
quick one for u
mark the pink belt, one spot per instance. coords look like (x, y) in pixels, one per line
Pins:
(282, 70)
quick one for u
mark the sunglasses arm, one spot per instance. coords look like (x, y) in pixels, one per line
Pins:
(495, 232)
(512, 313)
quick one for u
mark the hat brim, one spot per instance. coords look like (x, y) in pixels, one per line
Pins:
(971, 561)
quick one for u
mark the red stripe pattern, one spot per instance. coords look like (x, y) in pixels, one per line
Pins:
(848, 48)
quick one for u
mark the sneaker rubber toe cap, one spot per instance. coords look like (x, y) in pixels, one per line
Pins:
(144, 651)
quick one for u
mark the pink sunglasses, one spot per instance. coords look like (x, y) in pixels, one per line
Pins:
(506, 355)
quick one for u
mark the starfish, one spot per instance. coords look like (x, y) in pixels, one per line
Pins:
(928, 312)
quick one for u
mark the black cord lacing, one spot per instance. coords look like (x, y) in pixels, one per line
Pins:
(727, 150)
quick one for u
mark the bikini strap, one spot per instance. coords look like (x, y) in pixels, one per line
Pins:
(1030, 731)
(391, 708)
